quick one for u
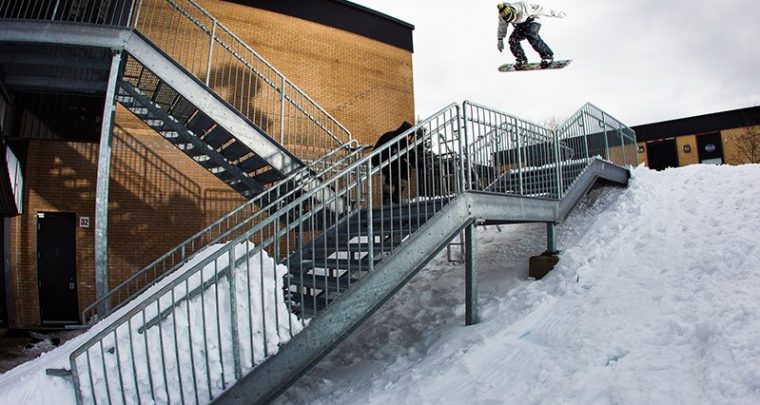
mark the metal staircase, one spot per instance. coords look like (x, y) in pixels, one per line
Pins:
(193, 132)
(217, 101)
(285, 289)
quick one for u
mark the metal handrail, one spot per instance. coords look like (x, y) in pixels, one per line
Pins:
(219, 230)
(215, 55)
(238, 296)
(251, 335)
(238, 73)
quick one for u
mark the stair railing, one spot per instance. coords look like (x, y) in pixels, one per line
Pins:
(510, 155)
(516, 156)
(193, 335)
(230, 67)
(202, 345)
(592, 133)
(220, 231)
(214, 55)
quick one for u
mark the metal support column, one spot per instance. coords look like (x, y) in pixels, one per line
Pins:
(104, 174)
(551, 238)
(471, 276)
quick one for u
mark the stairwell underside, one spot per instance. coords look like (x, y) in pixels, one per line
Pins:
(127, 40)
(325, 332)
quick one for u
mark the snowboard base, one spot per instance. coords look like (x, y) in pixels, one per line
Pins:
(557, 64)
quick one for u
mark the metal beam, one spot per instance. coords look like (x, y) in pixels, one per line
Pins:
(499, 208)
(196, 93)
(104, 174)
(471, 276)
(598, 169)
(275, 374)
(31, 83)
(551, 238)
(41, 32)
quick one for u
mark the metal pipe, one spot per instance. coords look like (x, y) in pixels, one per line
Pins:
(103, 181)
(471, 275)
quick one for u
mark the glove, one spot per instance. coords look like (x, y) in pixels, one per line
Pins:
(500, 45)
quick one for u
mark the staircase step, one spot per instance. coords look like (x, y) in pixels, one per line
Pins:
(359, 227)
(165, 96)
(235, 151)
(335, 264)
(252, 163)
(319, 251)
(304, 303)
(217, 137)
(182, 110)
(268, 177)
(200, 123)
(331, 284)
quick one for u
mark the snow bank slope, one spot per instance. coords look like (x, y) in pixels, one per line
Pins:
(655, 300)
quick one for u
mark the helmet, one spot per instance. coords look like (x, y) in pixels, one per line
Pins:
(506, 11)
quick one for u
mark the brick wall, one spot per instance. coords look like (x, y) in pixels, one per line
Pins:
(365, 84)
(158, 196)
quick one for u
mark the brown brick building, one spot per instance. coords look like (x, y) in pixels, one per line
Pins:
(727, 137)
(354, 62)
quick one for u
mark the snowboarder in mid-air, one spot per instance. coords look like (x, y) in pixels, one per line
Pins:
(523, 18)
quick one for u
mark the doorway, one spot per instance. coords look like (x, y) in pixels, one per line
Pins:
(56, 267)
(662, 154)
(710, 149)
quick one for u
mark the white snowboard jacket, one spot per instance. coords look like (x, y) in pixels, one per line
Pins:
(524, 11)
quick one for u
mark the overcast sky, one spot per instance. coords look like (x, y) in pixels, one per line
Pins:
(642, 61)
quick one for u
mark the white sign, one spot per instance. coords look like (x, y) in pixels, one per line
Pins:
(84, 222)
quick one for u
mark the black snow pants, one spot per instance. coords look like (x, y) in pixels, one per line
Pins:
(528, 30)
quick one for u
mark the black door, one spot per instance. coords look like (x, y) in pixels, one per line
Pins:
(710, 149)
(662, 154)
(56, 267)
(3, 253)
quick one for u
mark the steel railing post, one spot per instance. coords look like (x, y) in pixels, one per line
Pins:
(585, 131)
(471, 276)
(606, 141)
(282, 112)
(557, 162)
(370, 219)
(55, 10)
(210, 53)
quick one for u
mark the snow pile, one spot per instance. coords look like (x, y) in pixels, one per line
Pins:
(175, 350)
(656, 299)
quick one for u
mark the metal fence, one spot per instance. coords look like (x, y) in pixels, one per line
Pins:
(592, 133)
(513, 156)
(222, 230)
(217, 57)
(199, 330)
(202, 328)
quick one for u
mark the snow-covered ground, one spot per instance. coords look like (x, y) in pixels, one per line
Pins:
(656, 299)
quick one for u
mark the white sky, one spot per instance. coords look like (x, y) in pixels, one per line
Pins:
(643, 61)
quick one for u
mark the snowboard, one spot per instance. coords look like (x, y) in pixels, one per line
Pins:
(557, 64)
